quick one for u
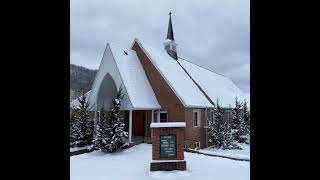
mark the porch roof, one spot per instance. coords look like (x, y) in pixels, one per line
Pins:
(134, 79)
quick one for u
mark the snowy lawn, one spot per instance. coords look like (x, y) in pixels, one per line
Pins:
(242, 154)
(78, 148)
(134, 164)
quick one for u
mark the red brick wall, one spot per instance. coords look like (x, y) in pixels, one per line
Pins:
(155, 135)
(195, 134)
(170, 102)
(163, 92)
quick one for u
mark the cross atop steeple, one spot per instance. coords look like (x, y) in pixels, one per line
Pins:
(169, 43)
(170, 30)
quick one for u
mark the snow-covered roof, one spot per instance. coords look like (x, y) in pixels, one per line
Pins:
(186, 90)
(126, 70)
(134, 79)
(75, 102)
(122, 70)
(215, 85)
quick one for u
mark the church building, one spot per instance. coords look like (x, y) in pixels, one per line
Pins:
(159, 86)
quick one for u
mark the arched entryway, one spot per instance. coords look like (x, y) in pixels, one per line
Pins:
(137, 122)
(107, 91)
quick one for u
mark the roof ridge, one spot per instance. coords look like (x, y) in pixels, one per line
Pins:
(202, 67)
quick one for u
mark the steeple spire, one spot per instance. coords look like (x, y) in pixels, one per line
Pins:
(169, 43)
(170, 30)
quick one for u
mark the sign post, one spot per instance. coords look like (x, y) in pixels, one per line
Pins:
(167, 146)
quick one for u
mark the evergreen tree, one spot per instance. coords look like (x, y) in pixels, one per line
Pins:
(237, 123)
(83, 120)
(76, 135)
(88, 134)
(215, 128)
(228, 140)
(246, 120)
(99, 140)
(115, 134)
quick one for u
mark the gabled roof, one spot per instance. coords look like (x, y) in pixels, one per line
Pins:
(186, 90)
(215, 85)
(134, 79)
(126, 71)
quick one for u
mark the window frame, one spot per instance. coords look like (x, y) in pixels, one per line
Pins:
(213, 117)
(228, 115)
(195, 145)
(98, 115)
(164, 112)
(198, 111)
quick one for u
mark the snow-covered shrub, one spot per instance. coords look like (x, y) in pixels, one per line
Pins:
(115, 134)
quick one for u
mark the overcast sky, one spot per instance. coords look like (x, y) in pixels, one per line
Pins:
(211, 33)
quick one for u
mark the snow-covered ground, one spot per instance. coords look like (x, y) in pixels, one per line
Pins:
(242, 154)
(78, 148)
(134, 164)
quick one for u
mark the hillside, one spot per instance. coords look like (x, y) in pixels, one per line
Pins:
(81, 78)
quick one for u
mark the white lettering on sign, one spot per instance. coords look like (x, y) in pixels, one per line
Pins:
(168, 146)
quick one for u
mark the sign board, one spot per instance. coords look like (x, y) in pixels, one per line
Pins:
(168, 146)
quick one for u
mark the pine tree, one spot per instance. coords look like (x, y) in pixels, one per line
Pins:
(88, 134)
(246, 120)
(83, 120)
(115, 134)
(237, 122)
(99, 140)
(228, 140)
(76, 134)
(215, 127)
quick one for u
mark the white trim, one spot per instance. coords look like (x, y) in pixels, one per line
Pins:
(142, 108)
(167, 161)
(95, 79)
(160, 115)
(168, 124)
(212, 116)
(198, 111)
(152, 116)
(130, 126)
(107, 65)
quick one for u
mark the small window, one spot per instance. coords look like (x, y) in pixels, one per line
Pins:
(155, 114)
(213, 116)
(163, 116)
(228, 116)
(197, 145)
(196, 117)
(98, 115)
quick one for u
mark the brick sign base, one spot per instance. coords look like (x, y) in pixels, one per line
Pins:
(167, 146)
(168, 166)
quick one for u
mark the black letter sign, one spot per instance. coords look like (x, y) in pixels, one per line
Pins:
(168, 146)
